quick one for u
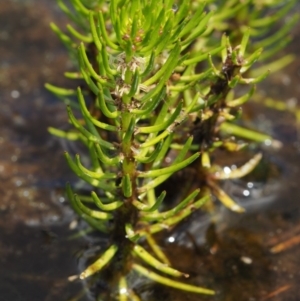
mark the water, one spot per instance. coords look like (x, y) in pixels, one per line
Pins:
(239, 256)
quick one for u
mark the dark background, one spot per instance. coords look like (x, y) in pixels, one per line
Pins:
(36, 254)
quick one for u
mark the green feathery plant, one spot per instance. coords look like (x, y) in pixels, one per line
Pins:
(160, 94)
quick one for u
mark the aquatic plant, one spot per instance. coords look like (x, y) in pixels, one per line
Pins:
(159, 94)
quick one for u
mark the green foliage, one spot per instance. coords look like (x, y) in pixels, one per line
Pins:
(159, 78)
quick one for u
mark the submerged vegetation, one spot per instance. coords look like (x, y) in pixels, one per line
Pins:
(161, 85)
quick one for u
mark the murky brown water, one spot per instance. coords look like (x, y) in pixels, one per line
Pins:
(240, 257)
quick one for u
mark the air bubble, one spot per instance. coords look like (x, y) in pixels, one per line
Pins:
(250, 185)
(18, 183)
(174, 8)
(62, 199)
(15, 94)
(171, 239)
(227, 170)
(268, 142)
(246, 192)
(14, 158)
(246, 260)
(25, 193)
(123, 291)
